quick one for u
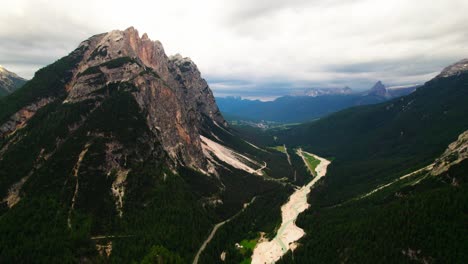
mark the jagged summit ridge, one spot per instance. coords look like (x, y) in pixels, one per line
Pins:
(4, 73)
(9, 81)
(171, 91)
(176, 101)
(126, 43)
(379, 89)
(176, 71)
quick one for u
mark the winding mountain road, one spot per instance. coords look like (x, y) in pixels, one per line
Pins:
(215, 229)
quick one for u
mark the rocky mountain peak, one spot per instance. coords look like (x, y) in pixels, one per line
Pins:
(126, 43)
(9, 81)
(378, 86)
(379, 89)
(454, 69)
(176, 101)
(4, 73)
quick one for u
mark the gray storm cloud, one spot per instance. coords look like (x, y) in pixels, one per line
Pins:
(262, 46)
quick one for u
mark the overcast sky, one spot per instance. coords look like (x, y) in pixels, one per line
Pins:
(256, 48)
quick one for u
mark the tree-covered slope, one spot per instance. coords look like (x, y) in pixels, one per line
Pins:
(372, 144)
(291, 109)
(62, 189)
(417, 218)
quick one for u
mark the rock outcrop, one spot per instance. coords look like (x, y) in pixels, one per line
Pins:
(176, 101)
(379, 90)
(454, 154)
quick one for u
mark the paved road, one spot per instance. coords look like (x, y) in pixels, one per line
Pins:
(215, 229)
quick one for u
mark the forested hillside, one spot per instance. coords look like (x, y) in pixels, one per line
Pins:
(418, 218)
(373, 144)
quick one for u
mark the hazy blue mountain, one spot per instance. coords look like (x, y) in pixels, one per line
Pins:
(312, 105)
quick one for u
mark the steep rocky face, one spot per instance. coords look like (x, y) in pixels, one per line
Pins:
(9, 81)
(195, 88)
(175, 99)
(454, 69)
(378, 89)
(19, 119)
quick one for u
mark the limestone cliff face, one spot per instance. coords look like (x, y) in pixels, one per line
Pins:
(173, 97)
(195, 89)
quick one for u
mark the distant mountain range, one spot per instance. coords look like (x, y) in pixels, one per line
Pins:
(313, 92)
(379, 89)
(9, 81)
(306, 105)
